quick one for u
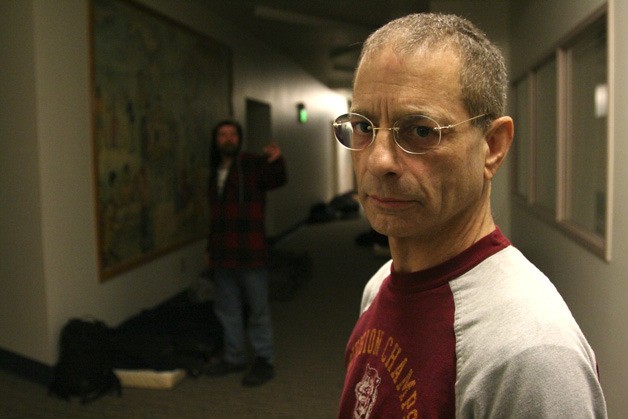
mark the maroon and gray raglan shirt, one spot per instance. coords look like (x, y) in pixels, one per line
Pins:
(483, 335)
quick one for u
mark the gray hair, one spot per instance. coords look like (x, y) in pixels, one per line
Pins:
(483, 77)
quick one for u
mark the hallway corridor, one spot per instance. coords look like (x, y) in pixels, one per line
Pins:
(311, 330)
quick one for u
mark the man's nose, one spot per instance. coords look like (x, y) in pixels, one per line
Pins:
(384, 153)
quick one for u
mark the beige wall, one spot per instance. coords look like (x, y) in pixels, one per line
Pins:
(23, 307)
(48, 270)
(594, 290)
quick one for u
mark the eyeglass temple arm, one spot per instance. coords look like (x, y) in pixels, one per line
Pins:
(461, 122)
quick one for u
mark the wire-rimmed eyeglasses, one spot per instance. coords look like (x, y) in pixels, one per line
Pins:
(414, 134)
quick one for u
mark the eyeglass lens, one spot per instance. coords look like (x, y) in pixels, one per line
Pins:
(413, 133)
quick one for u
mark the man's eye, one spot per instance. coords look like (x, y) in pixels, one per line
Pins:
(421, 131)
(416, 132)
(363, 128)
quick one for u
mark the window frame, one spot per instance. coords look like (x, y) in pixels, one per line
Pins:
(559, 216)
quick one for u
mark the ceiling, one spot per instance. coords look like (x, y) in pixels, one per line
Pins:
(322, 36)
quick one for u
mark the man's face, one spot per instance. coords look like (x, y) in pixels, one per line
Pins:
(433, 196)
(227, 140)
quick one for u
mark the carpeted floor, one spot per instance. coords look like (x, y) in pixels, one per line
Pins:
(311, 329)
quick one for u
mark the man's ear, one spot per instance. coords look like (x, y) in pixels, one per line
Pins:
(499, 139)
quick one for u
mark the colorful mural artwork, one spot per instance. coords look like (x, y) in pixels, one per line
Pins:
(158, 89)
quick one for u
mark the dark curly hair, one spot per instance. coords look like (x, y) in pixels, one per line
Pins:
(214, 155)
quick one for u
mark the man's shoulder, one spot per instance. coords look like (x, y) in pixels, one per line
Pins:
(372, 286)
(246, 156)
(507, 306)
(256, 160)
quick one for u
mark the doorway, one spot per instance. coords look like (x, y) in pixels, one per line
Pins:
(258, 125)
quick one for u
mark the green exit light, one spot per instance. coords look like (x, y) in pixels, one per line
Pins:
(301, 113)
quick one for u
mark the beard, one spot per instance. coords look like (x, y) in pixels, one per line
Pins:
(228, 150)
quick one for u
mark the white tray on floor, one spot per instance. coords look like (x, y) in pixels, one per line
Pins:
(150, 378)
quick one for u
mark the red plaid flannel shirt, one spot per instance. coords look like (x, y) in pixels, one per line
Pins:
(237, 237)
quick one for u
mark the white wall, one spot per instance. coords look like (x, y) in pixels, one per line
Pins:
(48, 268)
(594, 290)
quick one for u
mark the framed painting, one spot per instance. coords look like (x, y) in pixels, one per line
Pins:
(158, 88)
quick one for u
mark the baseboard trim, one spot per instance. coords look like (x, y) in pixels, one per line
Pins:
(25, 367)
(42, 373)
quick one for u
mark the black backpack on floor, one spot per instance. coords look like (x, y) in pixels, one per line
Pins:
(84, 368)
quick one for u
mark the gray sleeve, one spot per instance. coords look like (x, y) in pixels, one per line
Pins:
(372, 287)
(540, 382)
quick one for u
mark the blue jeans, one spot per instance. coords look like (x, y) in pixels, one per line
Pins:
(238, 290)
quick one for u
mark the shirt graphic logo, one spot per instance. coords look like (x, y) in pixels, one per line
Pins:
(366, 393)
